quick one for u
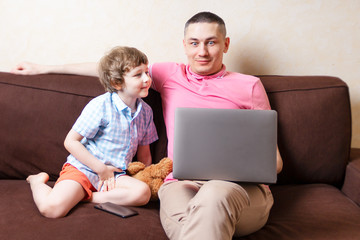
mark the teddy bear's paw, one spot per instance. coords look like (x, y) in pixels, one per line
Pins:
(154, 187)
(135, 167)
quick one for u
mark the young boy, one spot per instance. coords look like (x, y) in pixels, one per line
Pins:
(103, 141)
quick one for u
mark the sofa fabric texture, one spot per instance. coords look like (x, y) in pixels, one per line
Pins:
(317, 195)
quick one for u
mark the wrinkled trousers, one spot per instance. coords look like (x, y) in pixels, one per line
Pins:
(213, 209)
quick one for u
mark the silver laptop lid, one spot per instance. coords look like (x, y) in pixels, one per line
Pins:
(225, 144)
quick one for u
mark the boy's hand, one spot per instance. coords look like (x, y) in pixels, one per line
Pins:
(107, 185)
(107, 178)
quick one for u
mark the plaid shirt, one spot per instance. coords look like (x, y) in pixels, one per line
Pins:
(112, 133)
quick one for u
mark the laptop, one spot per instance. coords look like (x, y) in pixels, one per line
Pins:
(225, 144)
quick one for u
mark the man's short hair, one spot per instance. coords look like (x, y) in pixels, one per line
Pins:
(207, 17)
(117, 62)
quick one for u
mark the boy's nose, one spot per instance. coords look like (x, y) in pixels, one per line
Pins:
(146, 78)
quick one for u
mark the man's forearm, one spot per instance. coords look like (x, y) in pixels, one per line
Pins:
(88, 69)
(28, 68)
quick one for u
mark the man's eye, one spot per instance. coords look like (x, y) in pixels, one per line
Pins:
(211, 42)
(194, 44)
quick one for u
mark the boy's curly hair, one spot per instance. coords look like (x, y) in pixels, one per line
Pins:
(117, 62)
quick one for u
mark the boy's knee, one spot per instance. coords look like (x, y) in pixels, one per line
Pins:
(143, 194)
(53, 210)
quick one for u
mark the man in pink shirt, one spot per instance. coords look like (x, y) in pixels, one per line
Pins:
(179, 86)
(200, 209)
(208, 209)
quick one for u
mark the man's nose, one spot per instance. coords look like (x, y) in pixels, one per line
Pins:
(203, 51)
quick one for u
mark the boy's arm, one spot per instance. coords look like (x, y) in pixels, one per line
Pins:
(77, 149)
(144, 154)
(27, 68)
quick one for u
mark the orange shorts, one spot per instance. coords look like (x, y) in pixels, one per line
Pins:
(69, 172)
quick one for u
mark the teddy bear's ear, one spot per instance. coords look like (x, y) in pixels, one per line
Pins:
(165, 161)
(162, 169)
(135, 167)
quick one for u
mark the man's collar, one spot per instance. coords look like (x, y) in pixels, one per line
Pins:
(194, 76)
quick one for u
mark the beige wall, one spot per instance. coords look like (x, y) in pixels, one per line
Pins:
(296, 37)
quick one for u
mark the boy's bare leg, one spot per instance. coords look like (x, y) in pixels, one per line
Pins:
(128, 192)
(58, 201)
(38, 183)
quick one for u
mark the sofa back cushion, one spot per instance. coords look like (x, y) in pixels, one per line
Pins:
(38, 111)
(36, 114)
(314, 133)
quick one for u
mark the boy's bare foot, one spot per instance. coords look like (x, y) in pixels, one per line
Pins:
(38, 178)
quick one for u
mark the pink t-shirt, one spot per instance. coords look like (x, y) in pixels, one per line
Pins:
(180, 87)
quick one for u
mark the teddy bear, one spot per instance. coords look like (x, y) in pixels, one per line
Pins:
(152, 175)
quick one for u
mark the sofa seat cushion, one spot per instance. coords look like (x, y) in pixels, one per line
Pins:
(20, 219)
(312, 211)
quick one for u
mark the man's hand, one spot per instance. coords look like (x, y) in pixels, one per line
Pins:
(27, 68)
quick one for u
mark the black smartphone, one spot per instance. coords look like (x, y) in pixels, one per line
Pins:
(118, 210)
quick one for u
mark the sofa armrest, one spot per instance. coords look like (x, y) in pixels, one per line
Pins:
(351, 187)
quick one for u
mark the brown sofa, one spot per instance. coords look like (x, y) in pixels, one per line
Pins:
(317, 195)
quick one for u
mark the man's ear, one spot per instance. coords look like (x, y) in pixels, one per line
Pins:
(184, 45)
(227, 44)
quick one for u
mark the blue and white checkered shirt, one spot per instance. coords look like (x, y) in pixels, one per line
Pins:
(112, 133)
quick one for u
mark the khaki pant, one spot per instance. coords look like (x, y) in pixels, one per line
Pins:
(213, 209)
